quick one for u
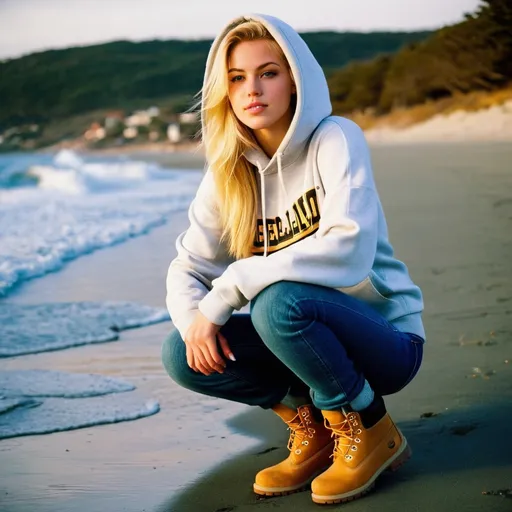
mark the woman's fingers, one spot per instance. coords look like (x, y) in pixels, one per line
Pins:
(213, 357)
(190, 357)
(223, 342)
(195, 363)
(201, 363)
(202, 352)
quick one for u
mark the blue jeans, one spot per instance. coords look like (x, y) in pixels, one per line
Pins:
(301, 338)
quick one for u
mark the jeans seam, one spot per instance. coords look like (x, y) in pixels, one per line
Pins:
(414, 367)
(333, 377)
(388, 325)
(328, 370)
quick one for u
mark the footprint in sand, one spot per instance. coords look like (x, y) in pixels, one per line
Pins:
(478, 373)
(505, 493)
(462, 430)
(268, 450)
(502, 202)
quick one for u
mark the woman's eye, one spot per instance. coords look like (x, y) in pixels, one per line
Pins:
(266, 74)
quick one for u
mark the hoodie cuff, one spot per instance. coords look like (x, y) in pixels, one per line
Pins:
(215, 309)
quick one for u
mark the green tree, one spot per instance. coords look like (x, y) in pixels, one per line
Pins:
(359, 85)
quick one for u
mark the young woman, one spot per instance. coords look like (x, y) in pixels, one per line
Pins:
(288, 219)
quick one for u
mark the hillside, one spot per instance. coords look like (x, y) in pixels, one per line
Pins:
(63, 83)
(473, 55)
(377, 78)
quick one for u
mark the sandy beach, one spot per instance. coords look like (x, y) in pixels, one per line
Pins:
(485, 125)
(449, 210)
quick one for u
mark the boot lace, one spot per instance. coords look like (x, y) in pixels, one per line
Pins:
(300, 432)
(345, 437)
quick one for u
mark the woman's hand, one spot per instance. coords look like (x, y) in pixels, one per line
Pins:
(202, 350)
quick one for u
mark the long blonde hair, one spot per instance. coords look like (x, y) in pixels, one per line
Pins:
(225, 139)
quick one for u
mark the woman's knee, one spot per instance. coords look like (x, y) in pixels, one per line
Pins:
(274, 306)
(174, 359)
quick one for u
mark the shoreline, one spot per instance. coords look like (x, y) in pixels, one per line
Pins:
(486, 125)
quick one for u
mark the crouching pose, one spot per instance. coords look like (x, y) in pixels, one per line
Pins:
(288, 219)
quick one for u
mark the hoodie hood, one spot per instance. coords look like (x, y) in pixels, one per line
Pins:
(313, 102)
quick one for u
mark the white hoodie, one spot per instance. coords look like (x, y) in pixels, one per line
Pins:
(320, 219)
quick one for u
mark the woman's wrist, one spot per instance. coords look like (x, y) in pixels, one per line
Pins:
(215, 308)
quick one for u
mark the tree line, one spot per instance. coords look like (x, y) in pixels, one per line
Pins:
(475, 54)
(377, 71)
(122, 74)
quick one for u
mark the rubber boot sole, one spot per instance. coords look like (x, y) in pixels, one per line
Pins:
(280, 491)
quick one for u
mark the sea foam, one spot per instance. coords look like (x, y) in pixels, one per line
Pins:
(73, 207)
(26, 329)
(38, 402)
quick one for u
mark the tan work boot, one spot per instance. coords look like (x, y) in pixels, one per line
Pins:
(310, 446)
(360, 455)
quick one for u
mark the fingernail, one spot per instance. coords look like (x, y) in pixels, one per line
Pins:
(232, 357)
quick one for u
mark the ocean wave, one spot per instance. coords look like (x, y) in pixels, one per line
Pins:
(28, 329)
(78, 207)
(65, 401)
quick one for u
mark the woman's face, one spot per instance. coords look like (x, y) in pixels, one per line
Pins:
(260, 86)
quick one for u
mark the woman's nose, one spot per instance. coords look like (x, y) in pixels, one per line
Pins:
(253, 87)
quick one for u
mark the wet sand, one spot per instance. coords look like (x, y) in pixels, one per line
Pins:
(449, 209)
(190, 156)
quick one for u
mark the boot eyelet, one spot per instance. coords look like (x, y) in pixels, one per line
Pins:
(304, 413)
(312, 431)
(298, 452)
(348, 457)
(355, 424)
(305, 443)
(353, 448)
(359, 431)
(357, 440)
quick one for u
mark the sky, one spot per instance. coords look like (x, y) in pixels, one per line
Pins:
(34, 25)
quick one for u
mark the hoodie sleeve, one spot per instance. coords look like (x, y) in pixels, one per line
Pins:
(343, 250)
(201, 258)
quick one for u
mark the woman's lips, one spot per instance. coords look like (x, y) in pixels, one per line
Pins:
(256, 109)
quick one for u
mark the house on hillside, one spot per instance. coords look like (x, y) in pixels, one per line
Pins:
(173, 132)
(189, 117)
(113, 120)
(95, 132)
(142, 117)
(130, 132)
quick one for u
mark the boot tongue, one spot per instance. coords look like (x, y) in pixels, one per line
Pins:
(284, 412)
(334, 417)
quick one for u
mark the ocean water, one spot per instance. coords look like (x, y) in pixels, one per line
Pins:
(40, 402)
(27, 329)
(54, 209)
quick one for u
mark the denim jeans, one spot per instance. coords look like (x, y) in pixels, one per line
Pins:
(301, 338)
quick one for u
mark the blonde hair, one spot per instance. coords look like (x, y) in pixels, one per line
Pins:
(226, 139)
